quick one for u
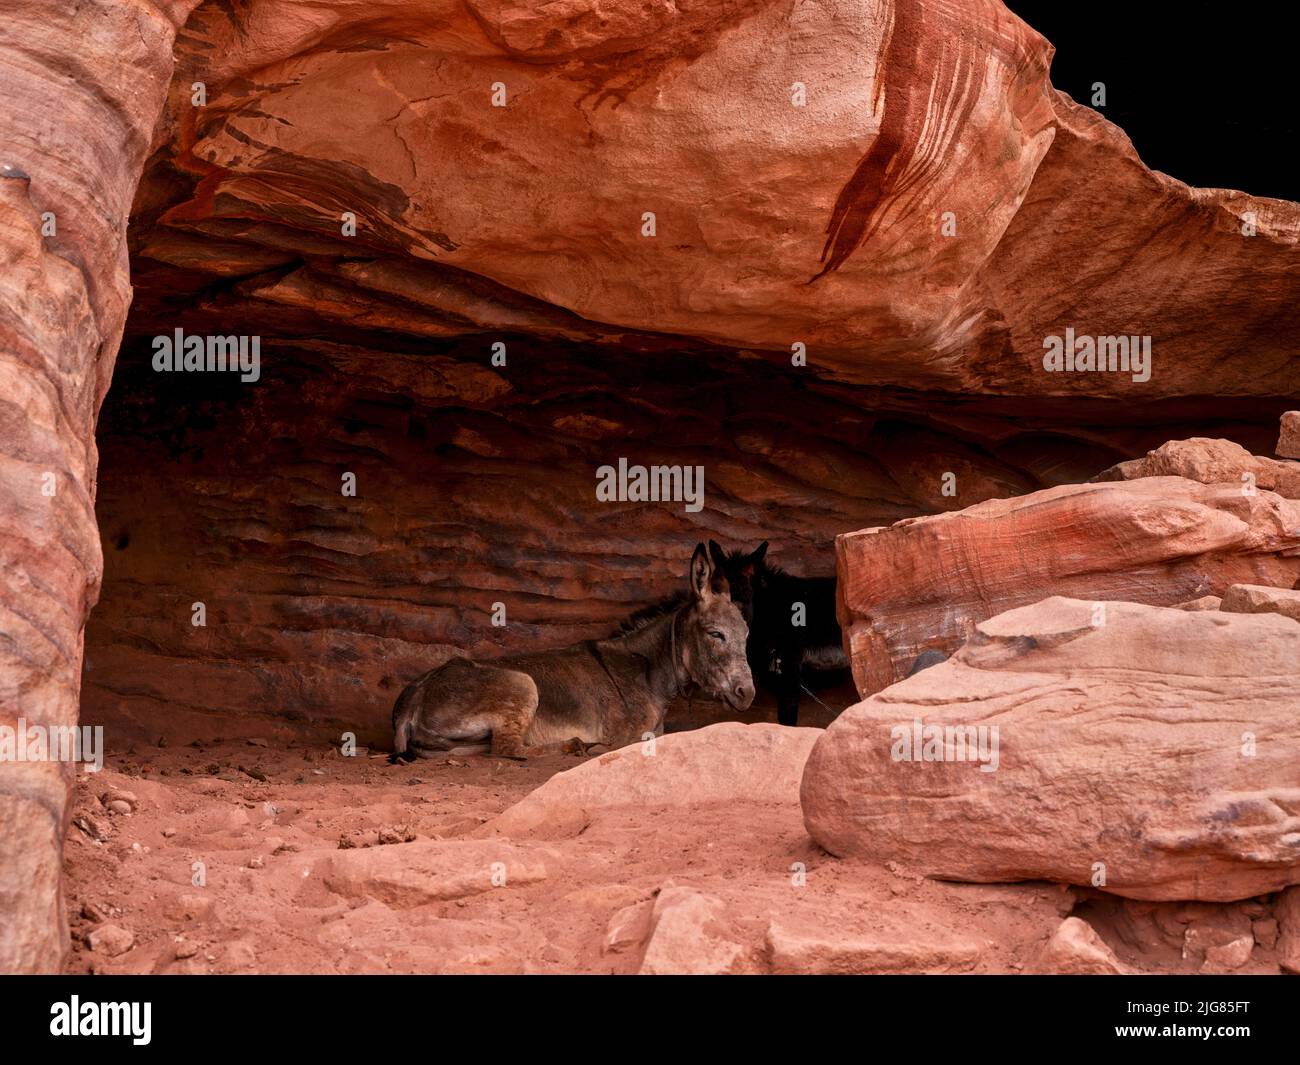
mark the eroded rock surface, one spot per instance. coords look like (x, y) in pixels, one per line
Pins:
(1288, 441)
(1075, 949)
(724, 763)
(81, 86)
(1151, 753)
(1262, 599)
(909, 159)
(818, 222)
(921, 583)
(1211, 461)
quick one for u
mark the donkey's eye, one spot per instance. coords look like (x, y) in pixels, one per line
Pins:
(718, 636)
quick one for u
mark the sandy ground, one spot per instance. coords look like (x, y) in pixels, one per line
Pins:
(245, 811)
(242, 857)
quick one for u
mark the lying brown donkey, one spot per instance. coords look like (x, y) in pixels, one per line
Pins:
(610, 691)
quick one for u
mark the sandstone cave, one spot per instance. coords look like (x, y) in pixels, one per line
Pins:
(836, 307)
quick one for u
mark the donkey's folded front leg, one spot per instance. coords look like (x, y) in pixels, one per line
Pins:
(513, 717)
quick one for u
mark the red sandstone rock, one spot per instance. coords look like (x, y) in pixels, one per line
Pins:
(1075, 949)
(1213, 937)
(474, 487)
(919, 584)
(803, 948)
(1265, 931)
(689, 936)
(1153, 753)
(724, 763)
(1287, 911)
(1261, 599)
(474, 481)
(311, 113)
(1288, 441)
(1228, 957)
(1211, 462)
(283, 918)
(82, 86)
(629, 927)
(189, 906)
(412, 874)
(1045, 194)
(111, 940)
(1205, 602)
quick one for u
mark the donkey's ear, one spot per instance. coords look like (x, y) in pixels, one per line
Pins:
(701, 573)
(718, 555)
(721, 585)
(758, 554)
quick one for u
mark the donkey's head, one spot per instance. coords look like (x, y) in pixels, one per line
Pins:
(713, 633)
(744, 573)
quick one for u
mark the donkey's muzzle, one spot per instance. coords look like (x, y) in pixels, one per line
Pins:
(741, 696)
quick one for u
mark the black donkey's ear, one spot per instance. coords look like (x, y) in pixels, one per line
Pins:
(758, 554)
(721, 585)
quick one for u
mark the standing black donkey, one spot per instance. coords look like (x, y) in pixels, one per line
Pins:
(792, 626)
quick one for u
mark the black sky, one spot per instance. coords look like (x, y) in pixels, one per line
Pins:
(1207, 91)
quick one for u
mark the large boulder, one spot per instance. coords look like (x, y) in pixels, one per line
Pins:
(920, 584)
(725, 763)
(1210, 461)
(1154, 753)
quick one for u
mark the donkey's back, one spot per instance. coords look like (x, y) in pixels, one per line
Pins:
(510, 703)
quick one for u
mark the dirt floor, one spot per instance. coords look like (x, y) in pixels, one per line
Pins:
(243, 857)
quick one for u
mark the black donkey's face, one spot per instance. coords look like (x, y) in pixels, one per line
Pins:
(745, 576)
(748, 578)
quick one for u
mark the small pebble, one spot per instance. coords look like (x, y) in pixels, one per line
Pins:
(96, 830)
(110, 939)
(93, 911)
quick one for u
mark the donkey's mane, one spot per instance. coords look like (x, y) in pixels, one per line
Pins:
(638, 620)
(775, 572)
(771, 569)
